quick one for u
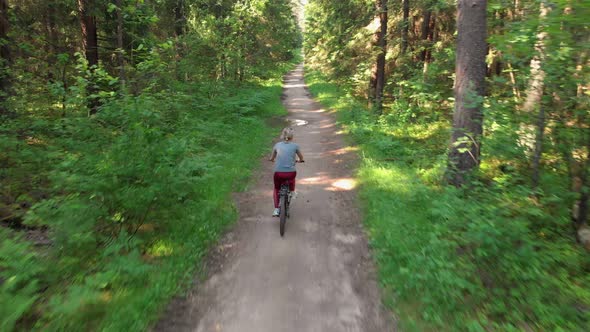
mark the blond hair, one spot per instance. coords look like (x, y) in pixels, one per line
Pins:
(287, 134)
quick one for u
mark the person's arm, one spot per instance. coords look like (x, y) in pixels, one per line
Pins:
(274, 155)
(300, 156)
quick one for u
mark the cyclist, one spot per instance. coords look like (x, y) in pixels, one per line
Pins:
(285, 153)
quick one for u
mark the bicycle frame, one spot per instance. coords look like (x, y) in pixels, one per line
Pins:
(284, 200)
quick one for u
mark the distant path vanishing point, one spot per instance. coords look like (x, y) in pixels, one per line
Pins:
(319, 277)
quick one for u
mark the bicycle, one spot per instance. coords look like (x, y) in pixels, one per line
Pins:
(284, 202)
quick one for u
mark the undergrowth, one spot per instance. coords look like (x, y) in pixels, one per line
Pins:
(492, 256)
(126, 202)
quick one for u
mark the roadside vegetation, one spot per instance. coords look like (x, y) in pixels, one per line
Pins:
(475, 225)
(116, 178)
(483, 257)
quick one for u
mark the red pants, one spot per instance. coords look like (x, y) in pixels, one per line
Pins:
(280, 178)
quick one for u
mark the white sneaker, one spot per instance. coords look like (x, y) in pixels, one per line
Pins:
(276, 212)
(293, 195)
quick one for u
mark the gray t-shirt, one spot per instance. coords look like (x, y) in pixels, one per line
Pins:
(286, 154)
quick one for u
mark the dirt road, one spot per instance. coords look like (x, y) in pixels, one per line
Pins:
(319, 277)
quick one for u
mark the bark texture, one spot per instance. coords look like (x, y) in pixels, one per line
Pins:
(534, 95)
(89, 35)
(378, 71)
(425, 34)
(120, 46)
(90, 46)
(406, 25)
(179, 18)
(5, 57)
(470, 74)
(536, 82)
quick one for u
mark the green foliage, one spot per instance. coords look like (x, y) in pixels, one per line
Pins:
(150, 185)
(124, 204)
(487, 257)
(20, 274)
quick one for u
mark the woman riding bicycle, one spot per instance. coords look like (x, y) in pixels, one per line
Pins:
(285, 153)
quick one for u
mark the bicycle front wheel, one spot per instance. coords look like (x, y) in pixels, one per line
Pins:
(283, 205)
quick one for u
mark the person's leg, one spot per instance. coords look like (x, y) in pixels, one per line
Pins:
(281, 177)
(277, 182)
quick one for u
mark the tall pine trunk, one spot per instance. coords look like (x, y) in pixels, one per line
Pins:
(5, 58)
(425, 33)
(90, 47)
(405, 24)
(533, 101)
(179, 18)
(377, 82)
(428, 30)
(120, 46)
(470, 74)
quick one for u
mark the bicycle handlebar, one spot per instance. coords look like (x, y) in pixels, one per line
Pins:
(297, 161)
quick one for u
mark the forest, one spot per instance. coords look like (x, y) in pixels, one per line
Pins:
(122, 128)
(472, 118)
(125, 126)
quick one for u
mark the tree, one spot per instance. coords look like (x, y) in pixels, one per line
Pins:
(179, 18)
(89, 45)
(377, 82)
(470, 71)
(120, 45)
(5, 58)
(534, 93)
(405, 25)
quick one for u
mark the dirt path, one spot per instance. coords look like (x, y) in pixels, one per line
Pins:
(319, 277)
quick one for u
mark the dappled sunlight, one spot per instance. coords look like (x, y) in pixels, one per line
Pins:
(319, 110)
(314, 180)
(298, 122)
(106, 296)
(299, 101)
(330, 183)
(342, 151)
(161, 248)
(344, 184)
(35, 141)
(294, 85)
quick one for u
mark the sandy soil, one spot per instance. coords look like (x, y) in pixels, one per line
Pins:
(319, 276)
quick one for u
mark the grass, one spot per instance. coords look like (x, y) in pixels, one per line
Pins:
(474, 259)
(154, 173)
(134, 309)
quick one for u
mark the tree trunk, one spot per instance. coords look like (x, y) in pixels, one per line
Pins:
(515, 90)
(424, 33)
(470, 74)
(90, 47)
(581, 215)
(405, 25)
(537, 77)
(5, 58)
(533, 101)
(89, 34)
(179, 18)
(538, 146)
(429, 41)
(378, 71)
(53, 48)
(120, 46)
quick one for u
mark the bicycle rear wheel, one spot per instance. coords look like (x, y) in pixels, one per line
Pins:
(283, 206)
